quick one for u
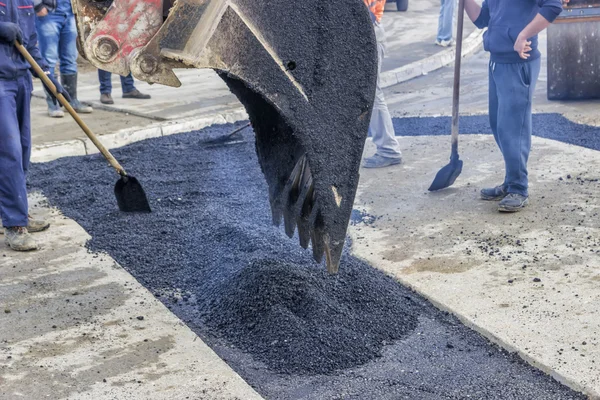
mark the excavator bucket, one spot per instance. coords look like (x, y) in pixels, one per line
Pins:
(304, 70)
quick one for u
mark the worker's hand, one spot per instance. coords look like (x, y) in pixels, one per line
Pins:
(59, 89)
(523, 47)
(42, 13)
(10, 32)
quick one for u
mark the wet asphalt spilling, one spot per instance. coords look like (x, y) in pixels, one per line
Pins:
(209, 253)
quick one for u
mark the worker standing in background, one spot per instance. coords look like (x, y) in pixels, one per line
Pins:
(513, 71)
(17, 23)
(381, 127)
(446, 23)
(127, 86)
(57, 34)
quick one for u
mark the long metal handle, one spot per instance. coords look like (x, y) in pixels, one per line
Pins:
(48, 83)
(457, 64)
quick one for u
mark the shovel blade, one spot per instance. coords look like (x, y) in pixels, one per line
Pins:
(131, 196)
(447, 175)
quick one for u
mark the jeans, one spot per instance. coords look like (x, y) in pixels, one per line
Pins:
(57, 35)
(446, 21)
(511, 92)
(106, 85)
(15, 149)
(381, 127)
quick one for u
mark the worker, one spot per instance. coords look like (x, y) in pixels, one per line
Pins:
(127, 86)
(57, 34)
(17, 24)
(381, 127)
(514, 68)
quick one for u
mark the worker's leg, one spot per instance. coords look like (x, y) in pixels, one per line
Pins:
(48, 30)
(515, 87)
(13, 192)
(446, 21)
(381, 127)
(498, 192)
(127, 84)
(105, 81)
(68, 62)
(129, 89)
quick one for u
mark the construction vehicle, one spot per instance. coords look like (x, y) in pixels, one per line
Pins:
(305, 71)
(574, 52)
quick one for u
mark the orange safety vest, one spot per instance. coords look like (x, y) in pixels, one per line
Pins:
(376, 8)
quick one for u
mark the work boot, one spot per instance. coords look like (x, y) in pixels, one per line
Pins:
(378, 161)
(18, 239)
(493, 194)
(106, 98)
(136, 94)
(513, 202)
(33, 225)
(54, 111)
(69, 82)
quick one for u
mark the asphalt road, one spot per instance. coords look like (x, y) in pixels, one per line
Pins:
(209, 252)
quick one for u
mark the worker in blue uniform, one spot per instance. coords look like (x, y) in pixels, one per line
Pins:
(17, 24)
(512, 40)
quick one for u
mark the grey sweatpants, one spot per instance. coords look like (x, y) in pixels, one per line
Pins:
(381, 127)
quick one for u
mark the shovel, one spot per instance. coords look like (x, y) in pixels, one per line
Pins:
(447, 175)
(128, 190)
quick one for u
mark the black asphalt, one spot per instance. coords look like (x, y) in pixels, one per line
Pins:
(209, 253)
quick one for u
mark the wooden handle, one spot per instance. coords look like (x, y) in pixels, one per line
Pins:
(48, 83)
(457, 63)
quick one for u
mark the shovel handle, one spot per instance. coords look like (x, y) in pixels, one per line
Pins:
(457, 64)
(48, 83)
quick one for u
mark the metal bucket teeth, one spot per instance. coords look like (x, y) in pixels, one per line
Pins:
(306, 73)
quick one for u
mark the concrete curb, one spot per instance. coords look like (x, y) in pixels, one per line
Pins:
(430, 64)
(83, 146)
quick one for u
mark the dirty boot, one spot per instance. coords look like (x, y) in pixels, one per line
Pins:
(36, 225)
(493, 194)
(136, 94)
(378, 161)
(54, 111)
(19, 239)
(33, 225)
(106, 98)
(70, 84)
(513, 202)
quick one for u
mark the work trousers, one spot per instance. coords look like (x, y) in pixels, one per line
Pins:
(15, 149)
(511, 93)
(446, 20)
(106, 85)
(381, 127)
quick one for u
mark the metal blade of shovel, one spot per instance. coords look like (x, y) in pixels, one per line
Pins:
(448, 174)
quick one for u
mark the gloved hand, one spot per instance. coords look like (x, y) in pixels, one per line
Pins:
(9, 32)
(59, 89)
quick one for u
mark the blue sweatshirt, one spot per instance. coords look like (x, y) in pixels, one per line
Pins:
(505, 19)
(12, 63)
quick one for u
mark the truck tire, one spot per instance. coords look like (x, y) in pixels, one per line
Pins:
(402, 5)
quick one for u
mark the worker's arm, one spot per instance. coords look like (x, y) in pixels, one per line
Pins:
(479, 15)
(549, 10)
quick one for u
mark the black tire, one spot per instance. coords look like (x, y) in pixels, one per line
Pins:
(402, 5)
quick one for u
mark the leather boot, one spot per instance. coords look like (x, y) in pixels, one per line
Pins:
(69, 82)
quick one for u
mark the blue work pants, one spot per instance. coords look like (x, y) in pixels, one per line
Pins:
(106, 85)
(446, 21)
(15, 149)
(510, 98)
(57, 35)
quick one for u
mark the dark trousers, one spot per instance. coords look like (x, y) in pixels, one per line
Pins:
(511, 93)
(15, 149)
(106, 84)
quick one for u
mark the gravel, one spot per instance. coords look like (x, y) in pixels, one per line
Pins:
(209, 253)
